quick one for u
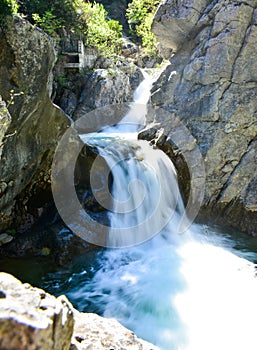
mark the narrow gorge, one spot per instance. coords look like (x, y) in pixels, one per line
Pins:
(128, 187)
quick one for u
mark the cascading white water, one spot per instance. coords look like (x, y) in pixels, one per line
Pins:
(180, 292)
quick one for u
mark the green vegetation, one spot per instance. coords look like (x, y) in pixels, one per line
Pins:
(89, 21)
(51, 15)
(11, 231)
(48, 22)
(8, 7)
(140, 15)
(85, 19)
(99, 32)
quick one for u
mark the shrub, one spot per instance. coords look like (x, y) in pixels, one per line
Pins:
(87, 20)
(48, 22)
(100, 32)
(50, 15)
(140, 15)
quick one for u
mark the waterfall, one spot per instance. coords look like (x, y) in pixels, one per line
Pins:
(180, 292)
(145, 194)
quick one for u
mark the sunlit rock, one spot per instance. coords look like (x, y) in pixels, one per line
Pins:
(211, 86)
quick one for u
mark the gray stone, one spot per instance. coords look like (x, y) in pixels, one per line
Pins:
(5, 121)
(5, 238)
(32, 125)
(211, 86)
(32, 319)
(92, 332)
(104, 88)
(175, 21)
(68, 102)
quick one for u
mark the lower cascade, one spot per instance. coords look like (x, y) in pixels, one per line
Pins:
(190, 291)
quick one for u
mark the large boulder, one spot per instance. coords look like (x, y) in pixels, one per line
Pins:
(32, 319)
(110, 84)
(104, 87)
(97, 333)
(211, 86)
(32, 127)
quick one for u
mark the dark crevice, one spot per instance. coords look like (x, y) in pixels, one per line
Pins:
(2, 294)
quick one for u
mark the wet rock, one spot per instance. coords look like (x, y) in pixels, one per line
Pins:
(68, 102)
(56, 244)
(5, 238)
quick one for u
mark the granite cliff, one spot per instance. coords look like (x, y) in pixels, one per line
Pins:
(211, 86)
(32, 125)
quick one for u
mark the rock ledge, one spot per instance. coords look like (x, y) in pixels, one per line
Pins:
(32, 319)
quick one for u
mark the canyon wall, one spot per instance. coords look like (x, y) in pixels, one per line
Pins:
(211, 86)
(32, 125)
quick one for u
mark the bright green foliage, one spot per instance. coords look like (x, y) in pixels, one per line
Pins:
(50, 15)
(7, 7)
(48, 22)
(140, 15)
(88, 20)
(99, 32)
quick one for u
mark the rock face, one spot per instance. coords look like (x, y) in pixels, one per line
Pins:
(97, 333)
(105, 87)
(32, 319)
(211, 86)
(112, 82)
(5, 121)
(176, 22)
(32, 126)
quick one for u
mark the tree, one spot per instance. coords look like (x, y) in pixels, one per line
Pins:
(140, 15)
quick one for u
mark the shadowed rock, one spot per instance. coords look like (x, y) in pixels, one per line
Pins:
(33, 125)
